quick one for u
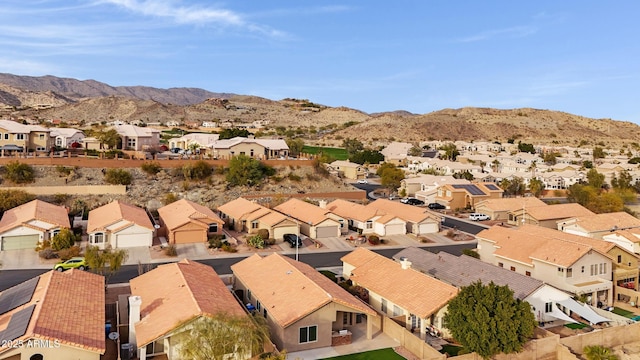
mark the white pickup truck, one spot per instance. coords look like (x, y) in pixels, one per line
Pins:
(478, 217)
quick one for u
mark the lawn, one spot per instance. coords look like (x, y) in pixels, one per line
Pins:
(623, 312)
(336, 153)
(382, 354)
(575, 326)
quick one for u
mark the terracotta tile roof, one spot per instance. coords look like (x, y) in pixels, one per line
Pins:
(115, 211)
(410, 289)
(351, 210)
(403, 211)
(511, 204)
(184, 211)
(55, 215)
(69, 308)
(558, 211)
(291, 290)
(303, 211)
(173, 294)
(607, 221)
(529, 242)
(239, 208)
(464, 270)
(267, 216)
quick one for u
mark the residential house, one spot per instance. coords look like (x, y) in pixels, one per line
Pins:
(367, 220)
(463, 196)
(248, 216)
(138, 138)
(15, 136)
(429, 185)
(628, 239)
(314, 221)
(499, 209)
(548, 215)
(418, 221)
(186, 222)
(200, 141)
(404, 294)
(597, 225)
(303, 308)
(167, 300)
(66, 137)
(396, 153)
(261, 149)
(559, 259)
(348, 170)
(119, 225)
(57, 315)
(547, 302)
(25, 226)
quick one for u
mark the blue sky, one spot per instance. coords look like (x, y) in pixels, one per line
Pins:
(582, 57)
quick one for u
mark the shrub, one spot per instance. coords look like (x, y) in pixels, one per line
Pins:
(228, 248)
(256, 241)
(171, 250)
(199, 170)
(47, 254)
(19, 173)
(216, 241)
(118, 177)
(270, 241)
(63, 170)
(263, 233)
(63, 240)
(471, 252)
(13, 198)
(374, 240)
(169, 198)
(66, 254)
(294, 177)
(151, 168)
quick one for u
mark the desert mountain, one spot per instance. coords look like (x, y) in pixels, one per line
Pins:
(48, 98)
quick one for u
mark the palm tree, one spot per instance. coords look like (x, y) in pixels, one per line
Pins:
(599, 352)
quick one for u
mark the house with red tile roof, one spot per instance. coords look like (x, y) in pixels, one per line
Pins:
(303, 308)
(119, 225)
(368, 220)
(398, 291)
(167, 299)
(315, 221)
(463, 196)
(547, 216)
(24, 226)
(247, 216)
(418, 221)
(597, 225)
(186, 222)
(499, 209)
(57, 315)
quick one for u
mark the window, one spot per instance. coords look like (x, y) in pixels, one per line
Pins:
(98, 238)
(156, 347)
(341, 223)
(383, 306)
(264, 312)
(41, 136)
(619, 259)
(369, 224)
(528, 273)
(6, 136)
(560, 271)
(594, 269)
(19, 136)
(131, 142)
(396, 310)
(36, 357)
(308, 334)
(582, 269)
(548, 307)
(254, 224)
(513, 268)
(569, 272)
(40, 148)
(258, 306)
(251, 153)
(249, 294)
(500, 264)
(604, 268)
(58, 141)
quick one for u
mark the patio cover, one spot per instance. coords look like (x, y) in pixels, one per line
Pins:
(558, 314)
(12, 147)
(583, 310)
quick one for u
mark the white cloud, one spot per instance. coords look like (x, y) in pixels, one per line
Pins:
(513, 32)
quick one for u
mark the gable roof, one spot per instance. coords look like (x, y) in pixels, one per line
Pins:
(607, 222)
(135, 131)
(239, 208)
(303, 211)
(35, 210)
(290, 290)
(402, 211)
(408, 288)
(59, 314)
(184, 211)
(173, 294)
(100, 218)
(558, 211)
(18, 128)
(352, 210)
(464, 270)
(511, 204)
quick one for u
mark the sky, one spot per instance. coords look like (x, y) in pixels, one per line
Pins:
(576, 56)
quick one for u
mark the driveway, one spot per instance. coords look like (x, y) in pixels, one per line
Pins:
(24, 259)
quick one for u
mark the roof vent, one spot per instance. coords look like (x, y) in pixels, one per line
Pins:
(405, 264)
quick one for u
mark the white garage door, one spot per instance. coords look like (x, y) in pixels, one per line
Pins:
(394, 229)
(326, 231)
(131, 240)
(20, 242)
(429, 228)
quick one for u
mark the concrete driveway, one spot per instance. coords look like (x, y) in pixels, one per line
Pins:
(24, 259)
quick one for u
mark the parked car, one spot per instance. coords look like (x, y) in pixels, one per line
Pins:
(293, 240)
(393, 197)
(412, 201)
(436, 206)
(73, 263)
(478, 217)
(363, 181)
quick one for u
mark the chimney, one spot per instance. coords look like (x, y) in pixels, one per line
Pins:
(322, 204)
(404, 263)
(134, 316)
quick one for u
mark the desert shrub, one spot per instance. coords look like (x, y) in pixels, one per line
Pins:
(263, 233)
(66, 254)
(270, 241)
(63, 240)
(199, 170)
(471, 252)
(151, 168)
(374, 239)
(277, 178)
(118, 177)
(47, 254)
(19, 173)
(169, 198)
(294, 177)
(171, 250)
(216, 241)
(256, 241)
(228, 248)
(13, 198)
(63, 170)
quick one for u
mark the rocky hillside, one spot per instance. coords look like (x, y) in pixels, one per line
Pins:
(48, 98)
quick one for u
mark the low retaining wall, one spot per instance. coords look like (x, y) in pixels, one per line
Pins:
(131, 163)
(609, 337)
(72, 190)
(409, 341)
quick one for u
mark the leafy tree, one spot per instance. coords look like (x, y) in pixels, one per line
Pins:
(390, 176)
(599, 352)
(595, 179)
(352, 146)
(118, 177)
(367, 156)
(634, 160)
(598, 153)
(587, 164)
(12, 198)
(244, 170)
(415, 151)
(199, 170)
(622, 180)
(234, 132)
(295, 146)
(450, 151)
(512, 187)
(536, 186)
(524, 147)
(19, 173)
(213, 338)
(110, 137)
(463, 175)
(64, 239)
(488, 319)
(550, 158)
(105, 262)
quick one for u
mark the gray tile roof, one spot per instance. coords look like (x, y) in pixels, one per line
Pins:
(465, 270)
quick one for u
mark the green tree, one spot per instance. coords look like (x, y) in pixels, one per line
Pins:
(295, 146)
(463, 175)
(599, 352)
(415, 151)
(64, 239)
(622, 180)
(118, 177)
(536, 187)
(524, 147)
(515, 186)
(595, 179)
(105, 262)
(244, 170)
(550, 158)
(367, 156)
(234, 132)
(488, 319)
(12, 198)
(390, 176)
(450, 151)
(19, 173)
(214, 337)
(352, 146)
(110, 137)
(598, 153)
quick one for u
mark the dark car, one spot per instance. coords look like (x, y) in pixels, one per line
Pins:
(436, 206)
(293, 240)
(414, 201)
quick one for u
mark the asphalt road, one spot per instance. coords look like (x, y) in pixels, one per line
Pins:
(366, 187)
(9, 278)
(463, 225)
